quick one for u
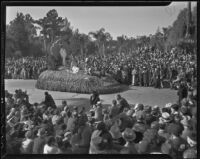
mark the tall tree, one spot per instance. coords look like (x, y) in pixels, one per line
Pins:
(51, 27)
(19, 32)
(101, 38)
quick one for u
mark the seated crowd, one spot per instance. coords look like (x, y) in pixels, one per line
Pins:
(121, 128)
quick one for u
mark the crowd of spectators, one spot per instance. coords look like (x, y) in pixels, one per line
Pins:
(141, 67)
(121, 128)
(144, 67)
(24, 68)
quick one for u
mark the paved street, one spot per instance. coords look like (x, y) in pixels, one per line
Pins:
(145, 95)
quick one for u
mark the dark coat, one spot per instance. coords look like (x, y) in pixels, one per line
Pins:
(49, 101)
(123, 104)
(182, 92)
(94, 99)
(38, 145)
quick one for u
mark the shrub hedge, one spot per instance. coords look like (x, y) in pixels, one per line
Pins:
(66, 81)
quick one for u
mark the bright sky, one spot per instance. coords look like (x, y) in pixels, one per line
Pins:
(130, 21)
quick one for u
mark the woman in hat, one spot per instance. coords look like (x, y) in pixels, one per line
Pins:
(105, 146)
(27, 144)
(98, 112)
(39, 142)
(94, 98)
(65, 148)
(114, 109)
(129, 136)
(118, 140)
(50, 146)
(83, 136)
(174, 145)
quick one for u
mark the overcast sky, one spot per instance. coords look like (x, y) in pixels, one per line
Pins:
(130, 21)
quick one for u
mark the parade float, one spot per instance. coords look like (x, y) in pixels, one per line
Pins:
(62, 77)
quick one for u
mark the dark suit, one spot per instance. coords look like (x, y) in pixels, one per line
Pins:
(123, 104)
(182, 92)
(49, 102)
(94, 99)
(38, 145)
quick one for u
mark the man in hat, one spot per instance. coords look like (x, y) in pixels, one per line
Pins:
(84, 136)
(191, 145)
(49, 101)
(62, 106)
(72, 117)
(175, 145)
(165, 118)
(182, 91)
(114, 110)
(94, 98)
(122, 103)
(118, 141)
(129, 136)
(98, 115)
(39, 142)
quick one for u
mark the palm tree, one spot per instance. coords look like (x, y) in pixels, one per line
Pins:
(121, 40)
(102, 38)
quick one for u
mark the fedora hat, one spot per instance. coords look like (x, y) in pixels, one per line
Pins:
(115, 132)
(129, 134)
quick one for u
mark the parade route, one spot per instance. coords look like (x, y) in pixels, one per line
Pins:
(144, 95)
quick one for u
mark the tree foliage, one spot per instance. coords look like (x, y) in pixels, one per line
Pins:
(22, 38)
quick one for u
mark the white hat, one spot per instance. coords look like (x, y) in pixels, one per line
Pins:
(136, 106)
(168, 105)
(99, 102)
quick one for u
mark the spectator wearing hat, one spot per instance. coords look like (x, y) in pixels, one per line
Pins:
(175, 145)
(71, 122)
(62, 106)
(155, 112)
(166, 118)
(138, 107)
(139, 127)
(56, 117)
(190, 153)
(109, 122)
(94, 98)
(49, 101)
(39, 142)
(23, 113)
(174, 109)
(187, 128)
(83, 136)
(182, 91)
(27, 144)
(95, 137)
(149, 118)
(129, 136)
(98, 112)
(105, 114)
(50, 146)
(192, 140)
(65, 148)
(118, 140)
(122, 103)
(153, 139)
(105, 146)
(114, 110)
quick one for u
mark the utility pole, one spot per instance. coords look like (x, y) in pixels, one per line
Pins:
(189, 20)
